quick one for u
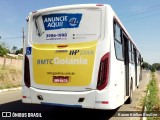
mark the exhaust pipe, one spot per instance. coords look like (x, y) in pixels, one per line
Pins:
(40, 97)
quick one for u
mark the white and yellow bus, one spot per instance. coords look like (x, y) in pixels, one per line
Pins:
(79, 56)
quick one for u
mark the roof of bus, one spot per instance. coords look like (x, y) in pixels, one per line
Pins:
(84, 6)
(70, 7)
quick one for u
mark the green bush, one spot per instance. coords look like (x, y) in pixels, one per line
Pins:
(152, 99)
(3, 49)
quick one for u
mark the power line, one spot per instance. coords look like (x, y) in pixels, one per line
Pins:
(140, 18)
(11, 38)
(141, 10)
(139, 13)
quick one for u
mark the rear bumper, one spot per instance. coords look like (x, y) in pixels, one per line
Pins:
(84, 99)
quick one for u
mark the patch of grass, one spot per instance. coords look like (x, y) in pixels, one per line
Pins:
(151, 100)
(5, 86)
(10, 77)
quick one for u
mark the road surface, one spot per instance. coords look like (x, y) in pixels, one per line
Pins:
(11, 101)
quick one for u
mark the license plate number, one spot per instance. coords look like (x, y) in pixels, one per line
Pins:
(60, 79)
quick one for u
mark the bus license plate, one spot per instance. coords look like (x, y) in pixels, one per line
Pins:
(60, 79)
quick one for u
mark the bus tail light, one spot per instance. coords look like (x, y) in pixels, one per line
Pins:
(103, 72)
(26, 72)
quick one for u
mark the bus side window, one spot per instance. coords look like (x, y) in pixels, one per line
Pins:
(130, 50)
(118, 42)
(132, 53)
(137, 57)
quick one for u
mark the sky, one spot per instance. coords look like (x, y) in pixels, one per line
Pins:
(140, 18)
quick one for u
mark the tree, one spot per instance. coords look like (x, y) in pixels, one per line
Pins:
(14, 49)
(19, 51)
(145, 65)
(156, 66)
(3, 49)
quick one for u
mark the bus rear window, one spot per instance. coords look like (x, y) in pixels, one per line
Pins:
(67, 26)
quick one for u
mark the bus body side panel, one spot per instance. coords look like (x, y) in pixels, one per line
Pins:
(138, 69)
(113, 93)
(138, 74)
(26, 92)
(132, 74)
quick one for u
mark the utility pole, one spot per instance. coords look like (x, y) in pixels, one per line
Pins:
(23, 36)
